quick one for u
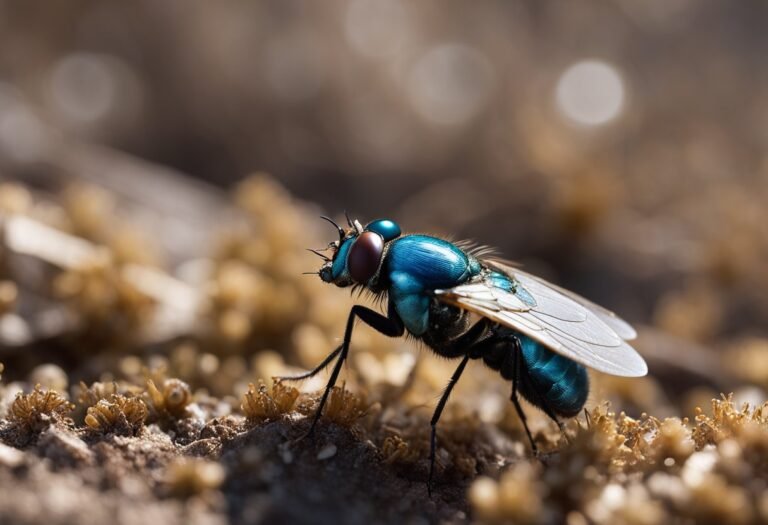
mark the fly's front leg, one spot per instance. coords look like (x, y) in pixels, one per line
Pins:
(312, 373)
(390, 325)
(436, 417)
(466, 346)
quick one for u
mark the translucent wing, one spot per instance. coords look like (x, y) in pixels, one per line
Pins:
(619, 325)
(560, 320)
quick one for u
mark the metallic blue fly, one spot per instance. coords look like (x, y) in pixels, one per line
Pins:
(537, 335)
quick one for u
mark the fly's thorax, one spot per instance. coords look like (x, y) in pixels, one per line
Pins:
(431, 261)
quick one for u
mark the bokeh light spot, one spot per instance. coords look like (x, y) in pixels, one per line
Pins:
(450, 84)
(83, 86)
(590, 92)
(376, 28)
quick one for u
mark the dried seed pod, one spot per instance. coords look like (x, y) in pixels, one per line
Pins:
(122, 415)
(35, 411)
(171, 402)
(260, 404)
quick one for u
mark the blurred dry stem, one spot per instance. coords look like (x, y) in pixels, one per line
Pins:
(187, 477)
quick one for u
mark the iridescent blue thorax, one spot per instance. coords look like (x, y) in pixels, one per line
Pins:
(417, 264)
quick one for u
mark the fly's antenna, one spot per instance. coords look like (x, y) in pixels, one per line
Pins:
(321, 255)
(355, 225)
(310, 273)
(341, 232)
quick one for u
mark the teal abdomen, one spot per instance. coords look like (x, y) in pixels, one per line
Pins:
(562, 382)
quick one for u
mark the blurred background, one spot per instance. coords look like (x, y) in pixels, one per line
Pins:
(618, 148)
(163, 164)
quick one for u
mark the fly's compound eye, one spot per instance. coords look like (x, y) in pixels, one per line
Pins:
(364, 256)
(388, 229)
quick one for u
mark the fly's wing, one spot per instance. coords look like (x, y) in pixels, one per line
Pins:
(622, 328)
(563, 322)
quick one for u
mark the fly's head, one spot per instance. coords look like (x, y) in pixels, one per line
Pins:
(356, 256)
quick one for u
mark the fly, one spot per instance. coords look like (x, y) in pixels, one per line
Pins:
(537, 335)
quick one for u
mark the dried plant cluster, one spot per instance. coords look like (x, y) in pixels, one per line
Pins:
(344, 407)
(37, 410)
(194, 419)
(120, 415)
(617, 469)
(261, 404)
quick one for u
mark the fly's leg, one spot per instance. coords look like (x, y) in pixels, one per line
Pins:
(327, 361)
(436, 417)
(469, 346)
(391, 326)
(515, 400)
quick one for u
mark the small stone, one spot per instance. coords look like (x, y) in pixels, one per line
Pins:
(64, 448)
(10, 457)
(50, 377)
(327, 452)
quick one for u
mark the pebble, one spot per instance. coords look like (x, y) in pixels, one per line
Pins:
(50, 377)
(10, 457)
(327, 452)
(286, 455)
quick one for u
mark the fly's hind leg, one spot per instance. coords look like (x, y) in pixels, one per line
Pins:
(515, 400)
(544, 404)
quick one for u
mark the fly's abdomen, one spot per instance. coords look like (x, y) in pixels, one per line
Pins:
(563, 383)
